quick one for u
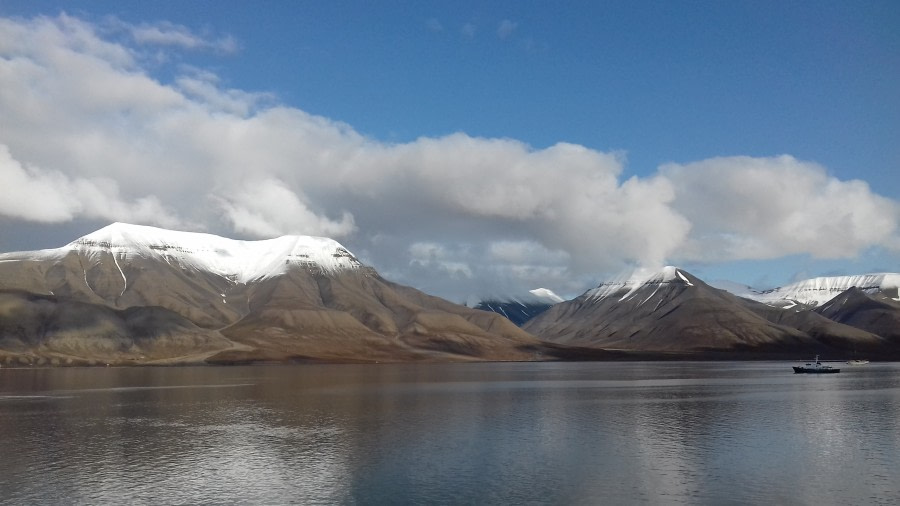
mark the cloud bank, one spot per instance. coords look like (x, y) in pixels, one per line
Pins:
(88, 132)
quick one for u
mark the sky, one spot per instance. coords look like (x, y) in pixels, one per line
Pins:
(466, 148)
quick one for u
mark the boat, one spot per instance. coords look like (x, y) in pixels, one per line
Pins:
(857, 362)
(815, 367)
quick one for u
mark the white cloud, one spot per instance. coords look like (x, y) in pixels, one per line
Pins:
(763, 208)
(52, 197)
(204, 87)
(89, 133)
(506, 28)
(525, 252)
(33, 196)
(269, 208)
(438, 256)
(468, 31)
(434, 25)
(170, 34)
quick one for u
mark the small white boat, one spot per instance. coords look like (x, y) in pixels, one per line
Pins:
(857, 362)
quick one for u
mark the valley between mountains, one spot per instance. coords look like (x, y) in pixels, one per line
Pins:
(136, 295)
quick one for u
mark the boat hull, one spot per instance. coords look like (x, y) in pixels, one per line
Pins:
(813, 370)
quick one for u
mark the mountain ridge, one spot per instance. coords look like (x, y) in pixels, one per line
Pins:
(292, 298)
(133, 294)
(240, 261)
(670, 310)
(817, 291)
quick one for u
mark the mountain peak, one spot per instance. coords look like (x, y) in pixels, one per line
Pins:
(239, 260)
(626, 284)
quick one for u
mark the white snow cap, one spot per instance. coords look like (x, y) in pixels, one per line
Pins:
(241, 261)
(635, 279)
(546, 294)
(817, 291)
(536, 296)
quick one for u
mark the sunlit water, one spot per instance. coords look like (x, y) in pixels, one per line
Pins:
(548, 433)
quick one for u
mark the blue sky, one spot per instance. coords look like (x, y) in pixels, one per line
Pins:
(708, 89)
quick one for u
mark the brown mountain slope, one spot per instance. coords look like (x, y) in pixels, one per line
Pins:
(49, 329)
(878, 314)
(824, 330)
(102, 278)
(291, 307)
(671, 312)
(357, 315)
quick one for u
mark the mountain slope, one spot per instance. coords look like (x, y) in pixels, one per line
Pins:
(875, 313)
(48, 329)
(520, 308)
(817, 291)
(665, 311)
(358, 314)
(288, 298)
(672, 311)
(826, 331)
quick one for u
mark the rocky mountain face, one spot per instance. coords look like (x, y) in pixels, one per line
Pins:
(671, 311)
(133, 294)
(520, 308)
(876, 312)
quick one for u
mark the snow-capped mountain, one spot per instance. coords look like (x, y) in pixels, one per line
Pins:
(817, 291)
(663, 310)
(239, 261)
(628, 284)
(520, 308)
(669, 310)
(129, 293)
(875, 312)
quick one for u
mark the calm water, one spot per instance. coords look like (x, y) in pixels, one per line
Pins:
(587, 433)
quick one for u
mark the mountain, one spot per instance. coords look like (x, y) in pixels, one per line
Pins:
(878, 312)
(522, 307)
(136, 294)
(815, 292)
(866, 306)
(45, 329)
(671, 311)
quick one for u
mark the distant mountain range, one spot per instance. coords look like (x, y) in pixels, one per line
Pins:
(129, 294)
(671, 311)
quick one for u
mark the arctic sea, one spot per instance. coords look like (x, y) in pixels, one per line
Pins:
(487, 433)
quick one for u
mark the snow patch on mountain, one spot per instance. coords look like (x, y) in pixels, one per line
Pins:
(546, 294)
(817, 291)
(240, 261)
(531, 297)
(630, 282)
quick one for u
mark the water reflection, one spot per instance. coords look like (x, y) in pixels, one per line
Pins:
(464, 433)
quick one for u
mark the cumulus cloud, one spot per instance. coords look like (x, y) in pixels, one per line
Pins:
(762, 208)
(52, 197)
(204, 87)
(269, 208)
(88, 132)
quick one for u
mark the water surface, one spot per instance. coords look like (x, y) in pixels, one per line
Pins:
(529, 433)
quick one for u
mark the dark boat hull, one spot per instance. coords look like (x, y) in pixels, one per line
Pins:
(812, 370)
